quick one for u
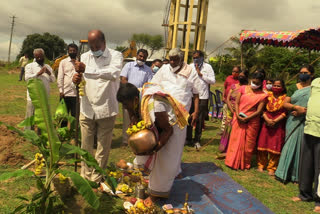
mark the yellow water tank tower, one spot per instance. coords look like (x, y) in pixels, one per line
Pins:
(185, 24)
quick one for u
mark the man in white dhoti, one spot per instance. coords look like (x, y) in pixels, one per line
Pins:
(166, 101)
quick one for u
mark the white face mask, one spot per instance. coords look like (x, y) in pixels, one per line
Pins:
(140, 63)
(254, 86)
(269, 86)
(97, 53)
(155, 69)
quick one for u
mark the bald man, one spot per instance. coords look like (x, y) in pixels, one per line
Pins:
(99, 106)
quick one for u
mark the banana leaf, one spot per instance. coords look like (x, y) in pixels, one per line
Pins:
(67, 149)
(43, 118)
(83, 187)
(15, 174)
(28, 135)
(61, 111)
(27, 122)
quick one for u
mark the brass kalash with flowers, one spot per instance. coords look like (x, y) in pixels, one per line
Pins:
(131, 183)
(142, 140)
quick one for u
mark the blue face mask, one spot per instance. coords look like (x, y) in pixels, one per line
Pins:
(97, 53)
(304, 77)
(155, 69)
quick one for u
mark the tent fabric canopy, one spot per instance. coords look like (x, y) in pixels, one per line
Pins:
(308, 39)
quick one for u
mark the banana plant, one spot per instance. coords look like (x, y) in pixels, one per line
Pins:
(52, 151)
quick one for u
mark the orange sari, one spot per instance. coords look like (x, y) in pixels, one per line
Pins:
(243, 136)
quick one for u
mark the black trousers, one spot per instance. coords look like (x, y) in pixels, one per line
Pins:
(309, 169)
(203, 111)
(71, 107)
(21, 73)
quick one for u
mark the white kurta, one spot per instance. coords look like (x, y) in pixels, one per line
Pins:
(181, 86)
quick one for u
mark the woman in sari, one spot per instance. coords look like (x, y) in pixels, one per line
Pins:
(288, 168)
(250, 103)
(231, 99)
(272, 134)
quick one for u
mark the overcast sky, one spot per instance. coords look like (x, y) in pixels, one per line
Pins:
(119, 19)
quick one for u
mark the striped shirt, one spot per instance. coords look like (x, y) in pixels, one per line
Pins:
(137, 75)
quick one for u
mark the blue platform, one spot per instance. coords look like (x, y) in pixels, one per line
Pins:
(211, 191)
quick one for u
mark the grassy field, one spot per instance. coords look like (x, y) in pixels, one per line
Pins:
(270, 192)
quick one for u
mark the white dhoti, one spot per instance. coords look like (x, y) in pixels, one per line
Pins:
(165, 165)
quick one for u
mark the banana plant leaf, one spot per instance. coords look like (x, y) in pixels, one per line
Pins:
(27, 122)
(28, 135)
(83, 187)
(43, 118)
(67, 149)
(61, 111)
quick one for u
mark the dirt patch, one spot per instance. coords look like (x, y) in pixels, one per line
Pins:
(14, 71)
(10, 143)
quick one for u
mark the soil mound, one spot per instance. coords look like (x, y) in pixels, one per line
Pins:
(10, 142)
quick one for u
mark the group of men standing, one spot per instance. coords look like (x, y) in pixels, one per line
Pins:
(101, 68)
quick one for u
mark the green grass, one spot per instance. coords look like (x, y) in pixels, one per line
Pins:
(270, 192)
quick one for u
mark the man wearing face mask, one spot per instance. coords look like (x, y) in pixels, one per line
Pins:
(99, 106)
(182, 82)
(156, 65)
(38, 69)
(207, 77)
(136, 73)
(65, 74)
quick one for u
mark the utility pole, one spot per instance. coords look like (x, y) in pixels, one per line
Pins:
(12, 26)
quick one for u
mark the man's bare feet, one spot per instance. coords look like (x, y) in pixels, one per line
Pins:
(296, 199)
(316, 209)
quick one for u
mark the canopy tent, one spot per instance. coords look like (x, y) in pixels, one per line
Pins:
(307, 39)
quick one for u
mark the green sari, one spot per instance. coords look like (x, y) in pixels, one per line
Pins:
(290, 155)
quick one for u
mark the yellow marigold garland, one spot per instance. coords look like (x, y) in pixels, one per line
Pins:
(136, 128)
(275, 104)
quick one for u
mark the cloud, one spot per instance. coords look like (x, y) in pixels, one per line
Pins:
(71, 20)
(4, 47)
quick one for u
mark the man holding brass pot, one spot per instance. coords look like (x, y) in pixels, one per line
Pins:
(163, 107)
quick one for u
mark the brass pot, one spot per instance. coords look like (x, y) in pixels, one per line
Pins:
(142, 142)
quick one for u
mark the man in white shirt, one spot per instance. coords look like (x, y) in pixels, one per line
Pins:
(207, 77)
(38, 69)
(65, 73)
(99, 106)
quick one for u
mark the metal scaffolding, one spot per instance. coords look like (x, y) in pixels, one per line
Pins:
(187, 18)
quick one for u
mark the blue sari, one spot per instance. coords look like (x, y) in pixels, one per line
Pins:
(288, 167)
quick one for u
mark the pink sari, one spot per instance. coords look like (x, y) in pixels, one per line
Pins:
(243, 136)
